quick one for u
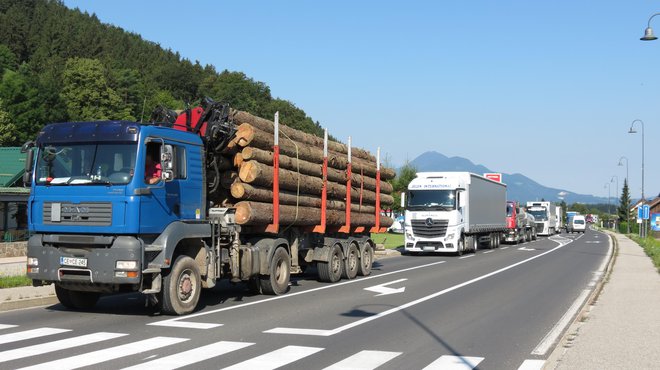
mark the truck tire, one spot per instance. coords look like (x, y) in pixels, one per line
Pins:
(76, 300)
(352, 262)
(181, 287)
(330, 271)
(471, 243)
(366, 260)
(460, 246)
(277, 282)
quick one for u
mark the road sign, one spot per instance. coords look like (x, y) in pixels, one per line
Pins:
(494, 176)
(643, 212)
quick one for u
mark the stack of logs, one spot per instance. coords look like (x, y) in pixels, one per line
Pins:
(247, 180)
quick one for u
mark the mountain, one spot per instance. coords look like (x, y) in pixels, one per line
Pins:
(519, 187)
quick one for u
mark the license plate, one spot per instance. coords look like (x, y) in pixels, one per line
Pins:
(72, 261)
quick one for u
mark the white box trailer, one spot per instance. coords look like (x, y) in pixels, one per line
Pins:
(453, 212)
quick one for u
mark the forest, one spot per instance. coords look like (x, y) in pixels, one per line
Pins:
(59, 64)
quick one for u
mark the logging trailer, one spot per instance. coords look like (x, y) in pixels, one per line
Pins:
(99, 227)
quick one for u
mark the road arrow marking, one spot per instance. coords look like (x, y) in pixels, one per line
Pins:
(383, 290)
(526, 249)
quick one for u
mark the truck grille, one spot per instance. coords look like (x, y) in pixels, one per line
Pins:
(429, 228)
(539, 227)
(86, 214)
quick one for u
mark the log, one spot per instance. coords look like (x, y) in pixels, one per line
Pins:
(238, 159)
(255, 173)
(312, 169)
(248, 135)
(243, 191)
(227, 178)
(256, 213)
(300, 136)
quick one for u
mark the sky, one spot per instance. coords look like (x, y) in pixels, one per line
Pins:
(548, 89)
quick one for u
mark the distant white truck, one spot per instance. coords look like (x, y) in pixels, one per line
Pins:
(545, 214)
(453, 212)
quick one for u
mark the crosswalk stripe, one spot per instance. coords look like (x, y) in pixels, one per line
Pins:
(454, 363)
(275, 359)
(91, 358)
(532, 365)
(39, 349)
(364, 360)
(5, 326)
(192, 356)
(29, 334)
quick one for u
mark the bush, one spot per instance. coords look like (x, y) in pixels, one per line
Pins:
(652, 248)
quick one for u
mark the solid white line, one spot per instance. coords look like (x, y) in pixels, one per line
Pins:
(169, 322)
(486, 252)
(409, 304)
(454, 363)
(5, 326)
(468, 256)
(29, 334)
(96, 357)
(364, 360)
(556, 331)
(59, 345)
(532, 365)
(192, 356)
(275, 359)
(504, 248)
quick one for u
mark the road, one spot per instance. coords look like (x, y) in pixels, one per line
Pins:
(495, 309)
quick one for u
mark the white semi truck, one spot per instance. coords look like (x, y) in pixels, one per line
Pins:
(453, 212)
(545, 214)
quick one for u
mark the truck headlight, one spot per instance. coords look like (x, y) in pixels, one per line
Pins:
(409, 235)
(449, 236)
(126, 265)
(32, 261)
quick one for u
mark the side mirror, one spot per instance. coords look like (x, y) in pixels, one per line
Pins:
(29, 162)
(403, 200)
(167, 162)
(461, 199)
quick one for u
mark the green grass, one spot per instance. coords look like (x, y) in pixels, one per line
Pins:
(390, 240)
(651, 247)
(14, 281)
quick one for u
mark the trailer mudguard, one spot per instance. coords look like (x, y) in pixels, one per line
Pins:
(173, 234)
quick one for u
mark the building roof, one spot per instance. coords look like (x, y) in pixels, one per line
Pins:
(12, 166)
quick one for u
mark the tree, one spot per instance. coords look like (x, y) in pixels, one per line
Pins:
(87, 94)
(400, 183)
(7, 128)
(623, 211)
(7, 59)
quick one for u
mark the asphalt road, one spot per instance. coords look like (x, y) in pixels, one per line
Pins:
(495, 309)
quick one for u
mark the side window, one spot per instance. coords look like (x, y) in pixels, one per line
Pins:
(179, 162)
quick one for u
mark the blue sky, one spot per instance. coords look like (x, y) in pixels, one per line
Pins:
(548, 89)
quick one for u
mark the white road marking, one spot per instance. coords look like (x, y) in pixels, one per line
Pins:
(5, 326)
(556, 331)
(175, 321)
(30, 334)
(186, 324)
(192, 356)
(275, 359)
(454, 363)
(384, 290)
(592, 242)
(58, 345)
(504, 248)
(325, 333)
(364, 360)
(96, 357)
(486, 252)
(468, 256)
(532, 365)
(526, 249)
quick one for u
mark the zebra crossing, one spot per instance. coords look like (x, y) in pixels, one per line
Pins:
(286, 355)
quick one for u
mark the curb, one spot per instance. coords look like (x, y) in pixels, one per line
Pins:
(573, 330)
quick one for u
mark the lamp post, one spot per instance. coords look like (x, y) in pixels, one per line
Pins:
(642, 231)
(627, 205)
(609, 210)
(648, 32)
(617, 195)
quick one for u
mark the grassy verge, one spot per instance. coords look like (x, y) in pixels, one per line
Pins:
(390, 240)
(652, 247)
(14, 281)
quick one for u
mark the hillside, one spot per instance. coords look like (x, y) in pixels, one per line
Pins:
(519, 187)
(60, 64)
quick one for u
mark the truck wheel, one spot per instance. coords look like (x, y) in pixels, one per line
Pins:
(352, 262)
(181, 287)
(460, 246)
(76, 300)
(277, 283)
(330, 271)
(366, 259)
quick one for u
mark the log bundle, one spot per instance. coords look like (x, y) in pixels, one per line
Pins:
(247, 182)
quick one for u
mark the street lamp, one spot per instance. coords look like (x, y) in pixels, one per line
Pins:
(648, 32)
(633, 131)
(628, 183)
(609, 210)
(616, 193)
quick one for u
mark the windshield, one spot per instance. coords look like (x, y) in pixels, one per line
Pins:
(578, 222)
(539, 215)
(79, 164)
(432, 199)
